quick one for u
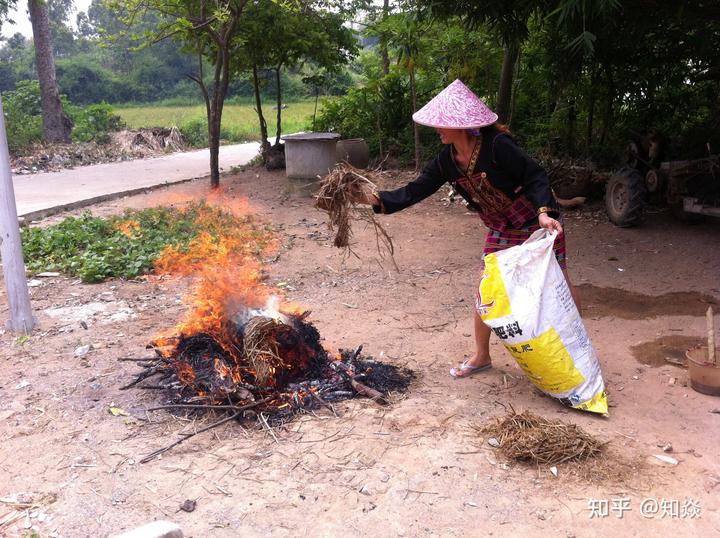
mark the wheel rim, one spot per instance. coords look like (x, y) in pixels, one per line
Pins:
(652, 181)
(619, 197)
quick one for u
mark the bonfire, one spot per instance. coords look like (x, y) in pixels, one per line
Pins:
(245, 353)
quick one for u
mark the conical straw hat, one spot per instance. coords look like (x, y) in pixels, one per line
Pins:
(456, 107)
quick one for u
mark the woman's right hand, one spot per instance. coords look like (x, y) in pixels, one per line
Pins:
(366, 196)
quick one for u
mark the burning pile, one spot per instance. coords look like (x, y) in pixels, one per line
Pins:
(240, 351)
(264, 355)
(269, 362)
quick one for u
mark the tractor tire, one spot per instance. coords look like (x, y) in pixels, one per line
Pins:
(625, 196)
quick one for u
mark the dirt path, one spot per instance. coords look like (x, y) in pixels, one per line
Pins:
(417, 468)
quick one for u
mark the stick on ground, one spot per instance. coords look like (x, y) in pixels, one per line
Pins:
(206, 428)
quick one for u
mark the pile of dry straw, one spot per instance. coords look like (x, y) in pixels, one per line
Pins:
(528, 437)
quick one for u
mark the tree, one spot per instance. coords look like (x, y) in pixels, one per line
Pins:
(404, 31)
(5, 7)
(383, 40)
(509, 19)
(309, 33)
(208, 29)
(57, 126)
(62, 35)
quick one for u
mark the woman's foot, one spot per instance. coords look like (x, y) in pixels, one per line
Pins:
(471, 367)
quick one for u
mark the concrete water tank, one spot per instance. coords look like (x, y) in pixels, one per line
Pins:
(354, 151)
(308, 155)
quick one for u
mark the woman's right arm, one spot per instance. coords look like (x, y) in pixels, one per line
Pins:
(427, 183)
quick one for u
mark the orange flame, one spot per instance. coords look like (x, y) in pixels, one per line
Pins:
(225, 261)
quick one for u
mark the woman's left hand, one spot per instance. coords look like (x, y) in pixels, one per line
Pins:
(549, 223)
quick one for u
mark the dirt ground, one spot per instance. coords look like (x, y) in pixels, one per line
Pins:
(420, 467)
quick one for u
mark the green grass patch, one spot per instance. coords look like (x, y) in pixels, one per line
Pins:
(239, 122)
(130, 245)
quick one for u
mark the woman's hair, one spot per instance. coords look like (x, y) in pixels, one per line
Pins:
(497, 126)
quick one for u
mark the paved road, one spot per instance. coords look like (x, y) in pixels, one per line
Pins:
(39, 195)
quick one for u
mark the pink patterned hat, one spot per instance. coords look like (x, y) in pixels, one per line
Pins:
(456, 107)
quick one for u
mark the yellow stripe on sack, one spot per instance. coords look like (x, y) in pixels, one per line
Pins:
(547, 362)
(596, 404)
(494, 300)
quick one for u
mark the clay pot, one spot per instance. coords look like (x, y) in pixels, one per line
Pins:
(355, 151)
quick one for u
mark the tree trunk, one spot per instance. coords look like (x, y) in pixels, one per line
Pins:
(278, 130)
(11, 253)
(515, 85)
(383, 41)
(214, 146)
(571, 120)
(264, 144)
(416, 128)
(608, 113)
(56, 125)
(591, 109)
(317, 96)
(221, 81)
(510, 55)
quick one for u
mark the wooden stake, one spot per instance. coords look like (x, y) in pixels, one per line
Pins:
(21, 318)
(711, 335)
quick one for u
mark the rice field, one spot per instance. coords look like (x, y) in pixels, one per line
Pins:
(239, 121)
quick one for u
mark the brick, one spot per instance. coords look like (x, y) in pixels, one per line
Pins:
(156, 529)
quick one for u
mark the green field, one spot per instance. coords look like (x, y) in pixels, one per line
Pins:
(239, 121)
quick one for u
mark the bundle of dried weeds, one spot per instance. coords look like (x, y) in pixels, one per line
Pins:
(337, 195)
(528, 437)
(261, 349)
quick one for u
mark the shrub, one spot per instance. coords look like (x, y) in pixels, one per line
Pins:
(195, 132)
(85, 81)
(378, 112)
(95, 123)
(23, 115)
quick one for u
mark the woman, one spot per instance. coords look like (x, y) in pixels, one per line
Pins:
(509, 190)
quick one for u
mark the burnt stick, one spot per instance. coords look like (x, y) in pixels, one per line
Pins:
(144, 375)
(359, 387)
(206, 428)
(195, 406)
(323, 402)
(373, 394)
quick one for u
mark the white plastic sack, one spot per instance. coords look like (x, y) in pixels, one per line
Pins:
(526, 301)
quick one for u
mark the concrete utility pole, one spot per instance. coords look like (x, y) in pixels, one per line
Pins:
(21, 318)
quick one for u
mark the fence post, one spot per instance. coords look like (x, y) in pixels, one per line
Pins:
(21, 318)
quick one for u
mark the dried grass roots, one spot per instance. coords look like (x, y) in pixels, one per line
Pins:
(261, 348)
(337, 196)
(531, 438)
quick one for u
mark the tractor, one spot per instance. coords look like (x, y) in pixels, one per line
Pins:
(691, 189)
